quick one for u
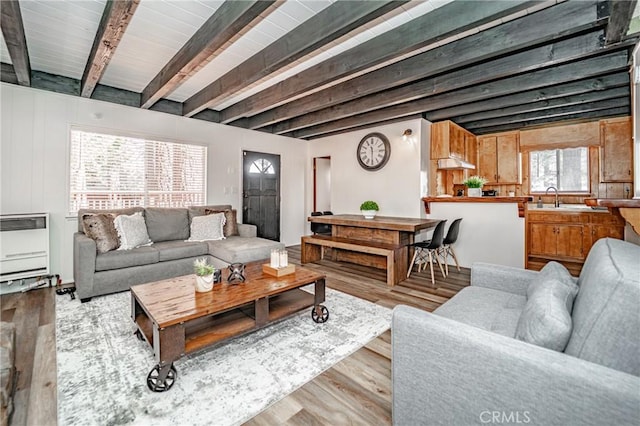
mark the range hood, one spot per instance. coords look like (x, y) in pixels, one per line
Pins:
(453, 163)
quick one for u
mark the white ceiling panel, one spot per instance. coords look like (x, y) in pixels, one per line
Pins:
(157, 31)
(60, 34)
(286, 17)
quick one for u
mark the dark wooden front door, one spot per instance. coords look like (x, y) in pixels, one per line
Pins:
(261, 193)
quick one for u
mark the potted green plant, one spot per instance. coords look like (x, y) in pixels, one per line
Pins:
(369, 209)
(474, 185)
(204, 275)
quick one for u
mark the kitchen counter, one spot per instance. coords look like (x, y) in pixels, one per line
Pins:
(521, 201)
(629, 209)
(567, 208)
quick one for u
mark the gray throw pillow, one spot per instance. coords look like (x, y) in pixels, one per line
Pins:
(554, 271)
(132, 231)
(545, 320)
(206, 228)
(99, 227)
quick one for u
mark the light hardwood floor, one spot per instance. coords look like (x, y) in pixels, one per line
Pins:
(357, 390)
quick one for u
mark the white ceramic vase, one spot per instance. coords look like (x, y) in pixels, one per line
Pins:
(474, 192)
(369, 214)
(204, 283)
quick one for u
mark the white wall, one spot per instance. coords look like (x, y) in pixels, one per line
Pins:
(34, 158)
(489, 232)
(396, 187)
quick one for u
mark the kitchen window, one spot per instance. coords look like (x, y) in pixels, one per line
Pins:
(109, 172)
(565, 169)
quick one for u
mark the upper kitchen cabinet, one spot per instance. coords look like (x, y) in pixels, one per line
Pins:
(499, 159)
(616, 150)
(448, 140)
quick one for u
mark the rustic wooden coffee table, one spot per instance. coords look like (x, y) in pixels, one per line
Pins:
(175, 320)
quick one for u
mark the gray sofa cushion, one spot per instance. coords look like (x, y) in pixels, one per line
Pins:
(243, 250)
(545, 320)
(119, 259)
(606, 312)
(485, 308)
(170, 250)
(167, 224)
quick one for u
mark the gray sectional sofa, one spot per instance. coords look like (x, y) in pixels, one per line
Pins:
(169, 256)
(463, 365)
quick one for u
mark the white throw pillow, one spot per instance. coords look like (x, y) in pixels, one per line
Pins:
(209, 227)
(132, 231)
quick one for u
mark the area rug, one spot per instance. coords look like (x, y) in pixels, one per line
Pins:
(102, 366)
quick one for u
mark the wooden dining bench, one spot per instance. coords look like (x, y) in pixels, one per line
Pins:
(391, 257)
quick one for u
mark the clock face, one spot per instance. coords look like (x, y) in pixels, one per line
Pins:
(373, 151)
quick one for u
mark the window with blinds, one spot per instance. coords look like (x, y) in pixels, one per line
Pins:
(108, 172)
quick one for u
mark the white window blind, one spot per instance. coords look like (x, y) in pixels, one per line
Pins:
(108, 171)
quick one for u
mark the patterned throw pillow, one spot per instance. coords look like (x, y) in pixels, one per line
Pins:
(209, 227)
(100, 228)
(231, 224)
(132, 231)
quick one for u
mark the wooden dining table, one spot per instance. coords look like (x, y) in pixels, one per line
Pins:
(394, 231)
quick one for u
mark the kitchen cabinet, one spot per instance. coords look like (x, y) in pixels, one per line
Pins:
(616, 150)
(449, 140)
(499, 158)
(567, 236)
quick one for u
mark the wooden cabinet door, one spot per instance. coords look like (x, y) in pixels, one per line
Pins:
(542, 239)
(487, 158)
(508, 159)
(616, 151)
(456, 142)
(569, 241)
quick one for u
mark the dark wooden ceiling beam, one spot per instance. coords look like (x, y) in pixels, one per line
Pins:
(619, 79)
(14, 37)
(8, 74)
(228, 23)
(583, 69)
(564, 119)
(113, 24)
(542, 105)
(540, 27)
(325, 27)
(447, 21)
(536, 58)
(620, 14)
(546, 113)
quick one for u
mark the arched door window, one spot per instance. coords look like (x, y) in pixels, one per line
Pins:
(262, 165)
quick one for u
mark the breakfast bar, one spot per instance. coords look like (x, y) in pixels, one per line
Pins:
(381, 242)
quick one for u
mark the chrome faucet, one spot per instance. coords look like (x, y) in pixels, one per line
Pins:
(557, 203)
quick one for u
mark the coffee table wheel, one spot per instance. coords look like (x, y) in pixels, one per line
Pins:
(319, 314)
(139, 335)
(156, 384)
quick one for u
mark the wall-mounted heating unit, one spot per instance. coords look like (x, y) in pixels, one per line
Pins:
(24, 246)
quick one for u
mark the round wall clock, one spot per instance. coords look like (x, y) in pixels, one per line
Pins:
(373, 151)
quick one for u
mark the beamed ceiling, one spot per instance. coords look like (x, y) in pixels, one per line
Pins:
(312, 68)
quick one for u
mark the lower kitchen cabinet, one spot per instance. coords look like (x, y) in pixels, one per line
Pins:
(567, 236)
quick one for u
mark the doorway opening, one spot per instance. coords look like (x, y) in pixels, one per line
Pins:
(321, 184)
